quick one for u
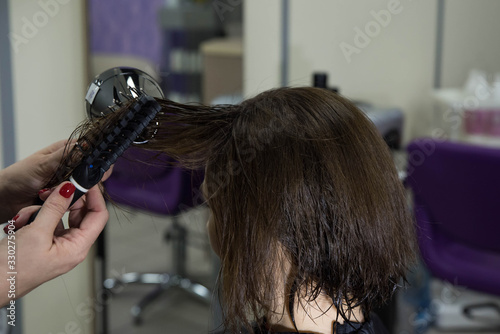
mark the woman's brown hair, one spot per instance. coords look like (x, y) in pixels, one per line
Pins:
(298, 175)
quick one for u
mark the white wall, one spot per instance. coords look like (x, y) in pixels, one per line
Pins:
(262, 46)
(49, 74)
(393, 68)
(396, 67)
(471, 39)
(49, 83)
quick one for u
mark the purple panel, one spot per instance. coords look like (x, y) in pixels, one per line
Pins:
(128, 27)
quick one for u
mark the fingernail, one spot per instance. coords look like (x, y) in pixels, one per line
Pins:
(43, 190)
(67, 190)
(12, 221)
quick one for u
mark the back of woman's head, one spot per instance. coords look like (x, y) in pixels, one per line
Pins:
(298, 176)
(304, 198)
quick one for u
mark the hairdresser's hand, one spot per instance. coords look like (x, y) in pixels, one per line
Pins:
(43, 249)
(20, 182)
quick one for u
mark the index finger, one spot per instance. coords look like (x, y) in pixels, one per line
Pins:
(95, 218)
(54, 208)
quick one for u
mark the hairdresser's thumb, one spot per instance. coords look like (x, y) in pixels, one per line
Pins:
(54, 207)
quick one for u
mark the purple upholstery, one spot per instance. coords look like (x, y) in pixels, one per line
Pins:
(144, 181)
(456, 191)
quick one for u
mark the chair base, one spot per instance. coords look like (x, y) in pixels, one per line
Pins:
(454, 318)
(459, 310)
(163, 283)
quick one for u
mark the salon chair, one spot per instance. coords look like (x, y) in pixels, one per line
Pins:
(456, 194)
(149, 182)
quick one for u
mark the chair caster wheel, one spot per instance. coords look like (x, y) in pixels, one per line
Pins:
(137, 321)
(112, 285)
(136, 315)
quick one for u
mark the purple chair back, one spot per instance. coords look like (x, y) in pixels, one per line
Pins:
(147, 181)
(456, 190)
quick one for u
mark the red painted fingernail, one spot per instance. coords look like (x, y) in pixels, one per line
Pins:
(67, 190)
(43, 190)
(12, 221)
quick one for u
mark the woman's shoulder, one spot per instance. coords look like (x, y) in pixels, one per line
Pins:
(373, 326)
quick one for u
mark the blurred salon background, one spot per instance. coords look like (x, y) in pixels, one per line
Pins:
(417, 68)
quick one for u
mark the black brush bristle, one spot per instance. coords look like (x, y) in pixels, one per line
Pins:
(119, 138)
